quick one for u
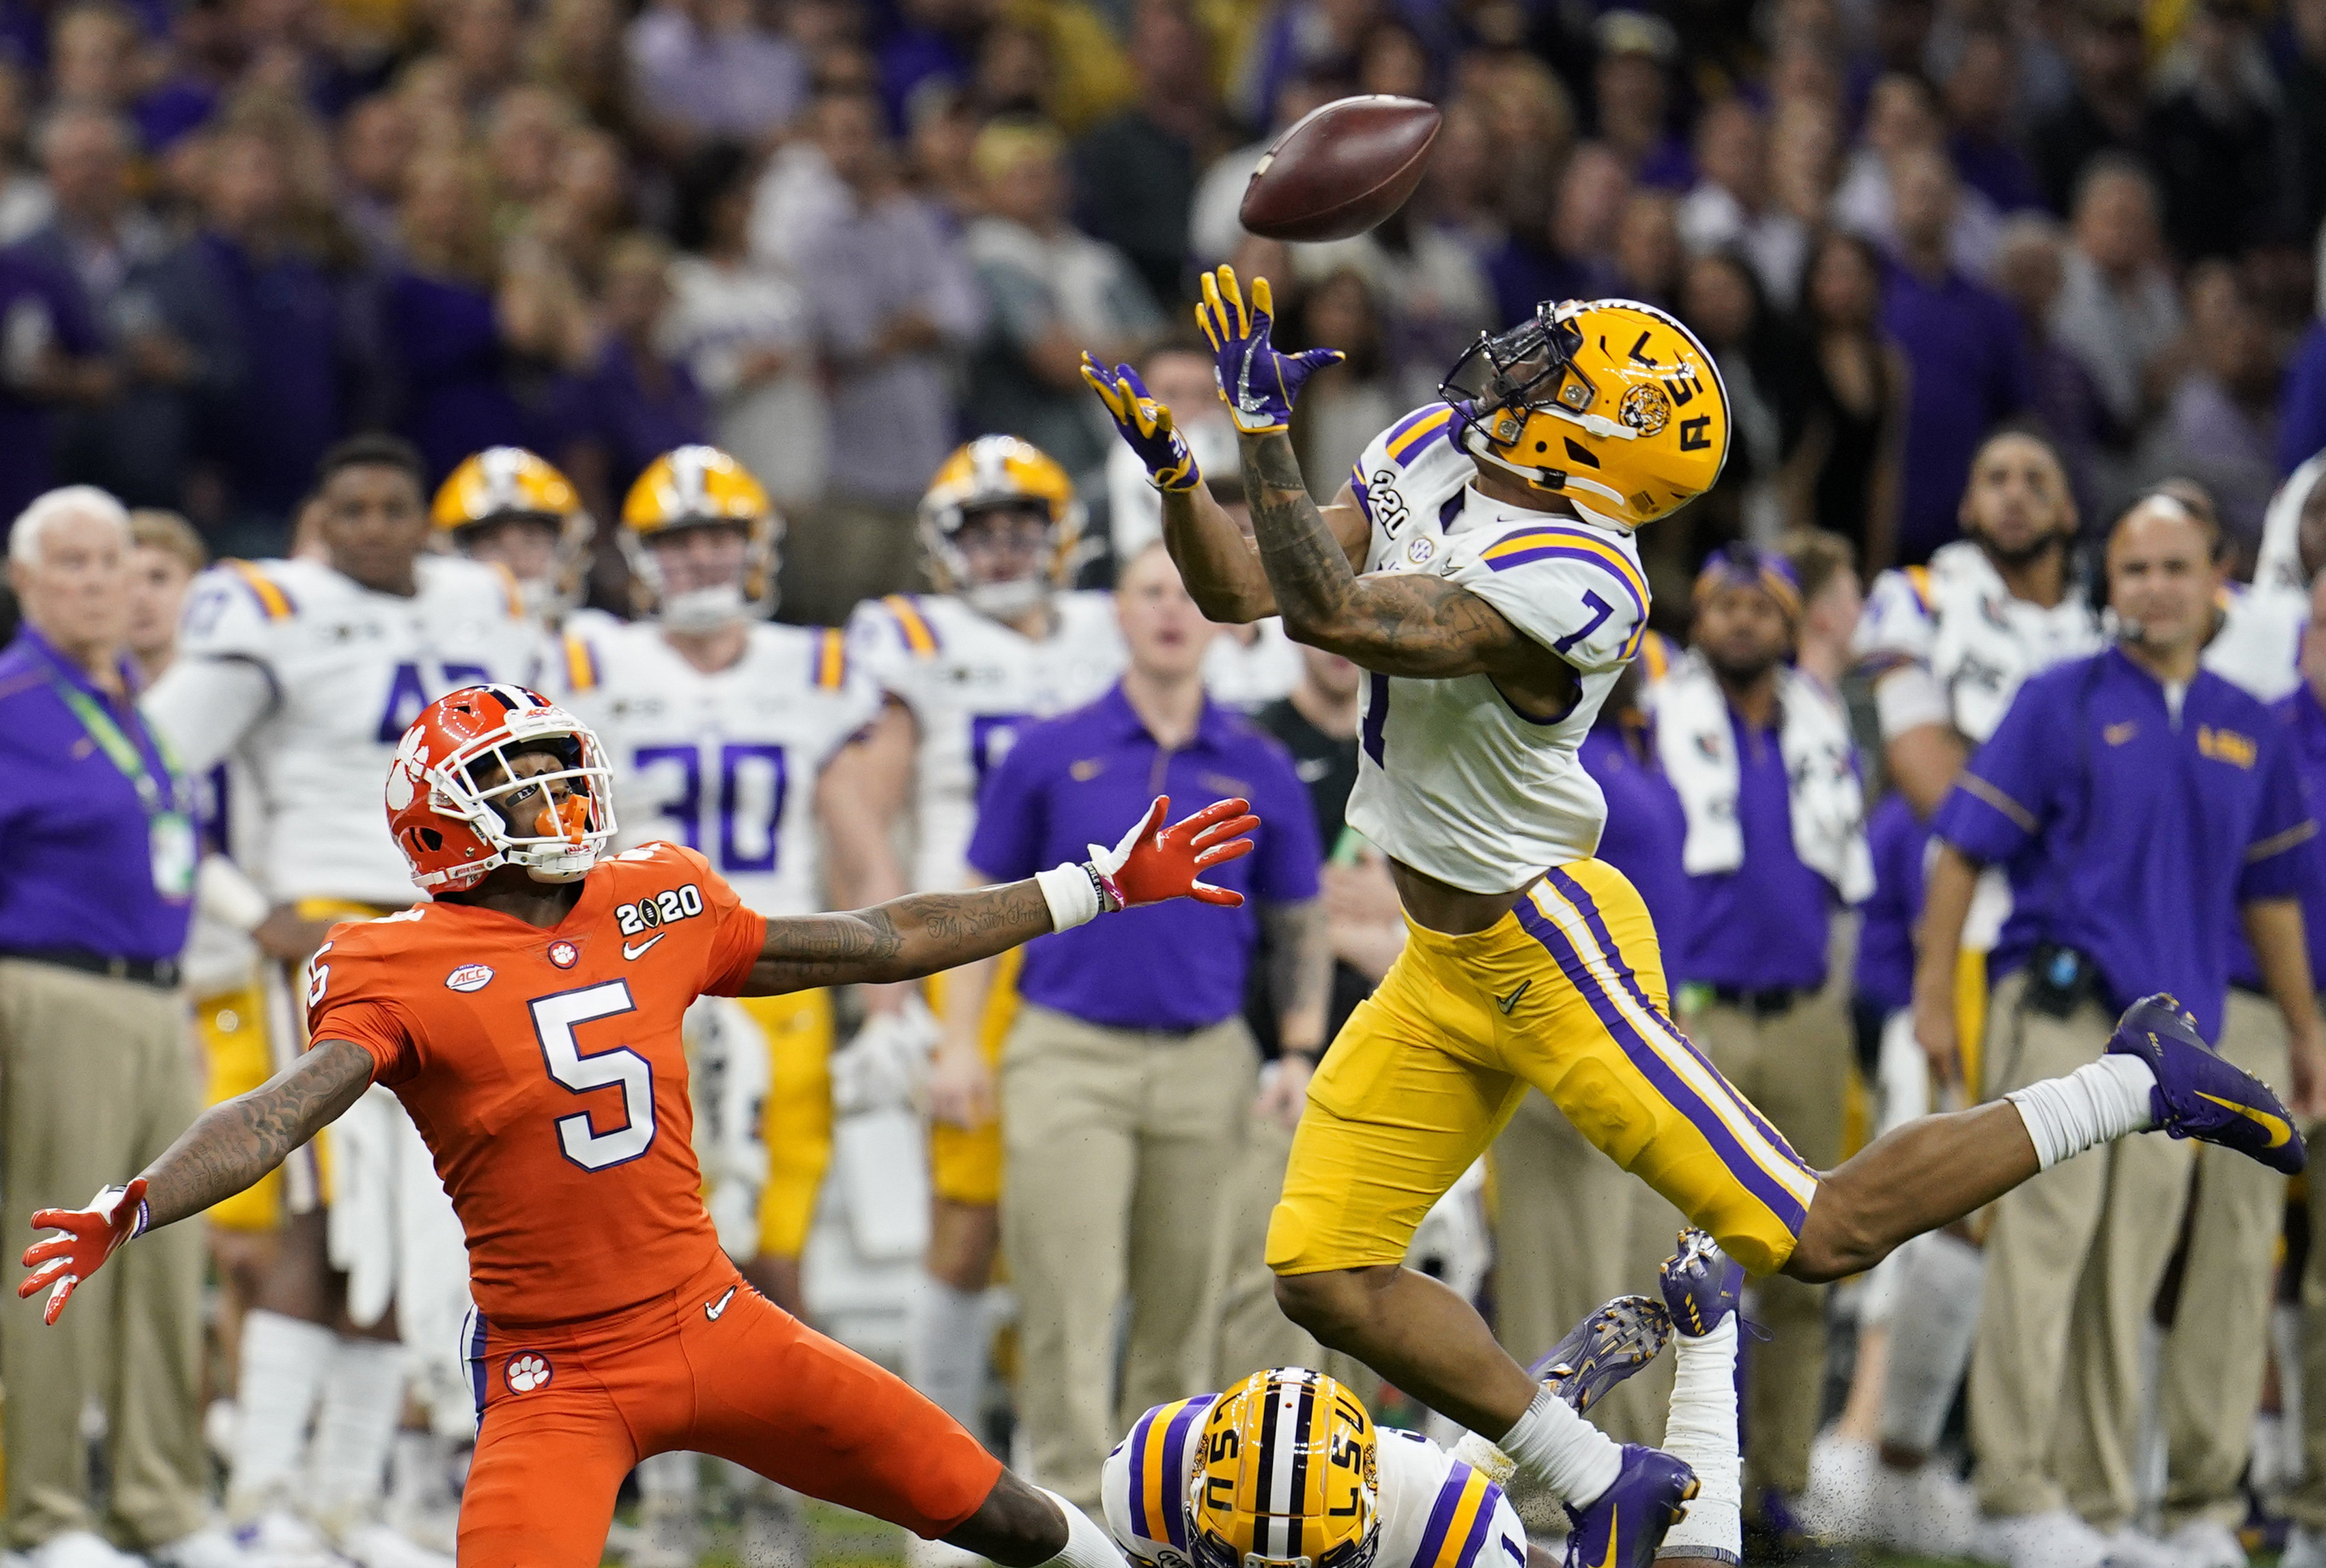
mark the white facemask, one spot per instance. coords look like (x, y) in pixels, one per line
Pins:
(1006, 601)
(703, 609)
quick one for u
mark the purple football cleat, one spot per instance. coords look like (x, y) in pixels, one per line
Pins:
(2197, 1094)
(1609, 1345)
(1701, 1284)
(1625, 1524)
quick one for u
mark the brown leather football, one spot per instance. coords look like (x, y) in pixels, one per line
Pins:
(1340, 169)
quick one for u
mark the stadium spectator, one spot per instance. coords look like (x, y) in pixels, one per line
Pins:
(2117, 312)
(1843, 474)
(1054, 292)
(1348, 404)
(710, 69)
(1135, 173)
(2219, 427)
(2110, 98)
(1981, 122)
(1902, 120)
(2030, 271)
(376, 143)
(2206, 817)
(1774, 846)
(1125, 1086)
(2301, 81)
(2213, 136)
(1966, 370)
(1732, 206)
(51, 359)
(1212, 229)
(24, 201)
(576, 52)
(1631, 98)
(1647, 254)
(93, 915)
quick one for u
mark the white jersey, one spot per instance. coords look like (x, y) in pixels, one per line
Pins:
(971, 683)
(1435, 1511)
(2257, 647)
(725, 762)
(1451, 779)
(314, 678)
(1956, 620)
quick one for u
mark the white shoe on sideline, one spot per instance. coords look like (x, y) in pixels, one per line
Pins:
(211, 1546)
(2304, 1548)
(2208, 1544)
(78, 1549)
(376, 1545)
(278, 1538)
(2134, 1549)
(1927, 1511)
(2057, 1539)
(1838, 1503)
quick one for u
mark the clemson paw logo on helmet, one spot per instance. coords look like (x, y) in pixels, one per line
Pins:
(1645, 408)
(525, 1373)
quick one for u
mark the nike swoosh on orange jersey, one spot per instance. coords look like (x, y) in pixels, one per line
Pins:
(712, 1309)
(631, 952)
(2273, 1125)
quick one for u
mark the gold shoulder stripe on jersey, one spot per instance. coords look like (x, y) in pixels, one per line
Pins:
(831, 660)
(272, 601)
(1413, 435)
(919, 635)
(581, 664)
(1918, 577)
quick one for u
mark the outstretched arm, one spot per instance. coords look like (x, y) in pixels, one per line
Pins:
(228, 1149)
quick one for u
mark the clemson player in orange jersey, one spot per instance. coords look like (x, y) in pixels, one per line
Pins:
(529, 1019)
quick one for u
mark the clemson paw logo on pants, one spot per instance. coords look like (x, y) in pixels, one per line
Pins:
(525, 1373)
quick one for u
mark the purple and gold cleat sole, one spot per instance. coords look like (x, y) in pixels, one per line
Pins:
(1609, 1345)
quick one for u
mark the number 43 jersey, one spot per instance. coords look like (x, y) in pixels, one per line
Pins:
(547, 1073)
(1451, 779)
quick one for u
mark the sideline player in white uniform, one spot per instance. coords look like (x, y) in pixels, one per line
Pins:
(508, 508)
(312, 670)
(1500, 596)
(1003, 644)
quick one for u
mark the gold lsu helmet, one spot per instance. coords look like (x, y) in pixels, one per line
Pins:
(1613, 403)
(508, 484)
(1288, 1477)
(698, 487)
(989, 472)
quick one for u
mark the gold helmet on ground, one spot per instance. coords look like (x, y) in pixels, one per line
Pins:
(989, 474)
(511, 485)
(1287, 1476)
(1612, 404)
(700, 487)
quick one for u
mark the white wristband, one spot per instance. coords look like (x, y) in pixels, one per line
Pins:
(1073, 897)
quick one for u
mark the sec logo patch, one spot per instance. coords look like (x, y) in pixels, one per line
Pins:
(564, 954)
(526, 1372)
(469, 978)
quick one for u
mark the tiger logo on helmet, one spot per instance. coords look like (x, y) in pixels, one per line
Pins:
(1287, 1475)
(702, 488)
(505, 485)
(990, 475)
(1614, 404)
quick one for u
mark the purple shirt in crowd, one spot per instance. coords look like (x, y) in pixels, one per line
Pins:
(610, 405)
(1645, 828)
(445, 348)
(1764, 925)
(79, 873)
(1885, 940)
(37, 304)
(2130, 836)
(288, 411)
(1969, 373)
(1083, 779)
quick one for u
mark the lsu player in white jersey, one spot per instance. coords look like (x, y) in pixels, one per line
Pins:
(309, 671)
(1479, 565)
(508, 508)
(1004, 643)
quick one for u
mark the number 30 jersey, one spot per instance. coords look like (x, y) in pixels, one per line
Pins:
(1451, 779)
(971, 683)
(547, 1073)
(725, 762)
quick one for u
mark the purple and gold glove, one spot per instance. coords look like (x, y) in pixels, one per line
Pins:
(1144, 424)
(1258, 383)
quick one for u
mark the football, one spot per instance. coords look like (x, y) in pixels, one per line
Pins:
(1340, 169)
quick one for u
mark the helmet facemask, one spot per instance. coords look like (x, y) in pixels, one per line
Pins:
(698, 571)
(1501, 377)
(994, 534)
(554, 840)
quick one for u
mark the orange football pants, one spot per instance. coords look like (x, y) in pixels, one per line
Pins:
(711, 1367)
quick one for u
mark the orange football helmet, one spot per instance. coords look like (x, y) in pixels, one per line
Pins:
(445, 821)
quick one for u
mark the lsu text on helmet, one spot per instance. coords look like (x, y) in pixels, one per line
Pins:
(991, 474)
(1609, 403)
(504, 485)
(679, 524)
(1286, 1476)
(443, 815)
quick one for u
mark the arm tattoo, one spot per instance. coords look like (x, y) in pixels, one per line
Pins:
(1299, 969)
(233, 1144)
(901, 940)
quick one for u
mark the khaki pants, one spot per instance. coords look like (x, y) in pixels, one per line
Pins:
(1794, 1065)
(840, 552)
(2306, 1504)
(1572, 1229)
(96, 1078)
(1118, 1147)
(2218, 1350)
(2074, 1260)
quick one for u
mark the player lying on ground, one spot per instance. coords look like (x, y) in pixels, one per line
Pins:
(1287, 1467)
(530, 1021)
(1480, 567)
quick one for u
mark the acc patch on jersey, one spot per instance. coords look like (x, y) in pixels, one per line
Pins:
(526, 1372)
(564, 954)
(469, 978)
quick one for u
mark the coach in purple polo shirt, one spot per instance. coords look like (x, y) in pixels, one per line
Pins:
(95, 1062)
(1127, 1081)
(2140, 803)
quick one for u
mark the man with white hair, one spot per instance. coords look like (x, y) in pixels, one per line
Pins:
(95, 896)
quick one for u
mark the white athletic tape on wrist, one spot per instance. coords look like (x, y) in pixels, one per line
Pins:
(1071, 895)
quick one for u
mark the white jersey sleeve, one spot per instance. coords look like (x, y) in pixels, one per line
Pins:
(1899, 626)
(1576, 590)
(223, 682)
(1144, 1483)
(889, 640)
(1438, 1512)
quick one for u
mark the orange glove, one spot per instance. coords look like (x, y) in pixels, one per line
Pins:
(1149, 866)
(87, 1239)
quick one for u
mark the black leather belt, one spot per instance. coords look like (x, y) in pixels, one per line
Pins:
(1766, 1003)
(161, 973)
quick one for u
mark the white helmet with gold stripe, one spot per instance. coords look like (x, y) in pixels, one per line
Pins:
(704, 540)
(1001, 571)
(504, 485)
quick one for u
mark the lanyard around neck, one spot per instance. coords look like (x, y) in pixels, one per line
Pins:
(155, 797)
